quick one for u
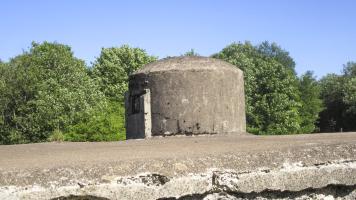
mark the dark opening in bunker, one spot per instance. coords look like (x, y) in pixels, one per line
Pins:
(136, 104)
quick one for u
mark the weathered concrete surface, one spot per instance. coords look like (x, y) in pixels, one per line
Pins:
(138, 125)
(189, 95)
(319, 166)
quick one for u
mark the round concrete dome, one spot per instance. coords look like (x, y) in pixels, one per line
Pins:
(185, 95)
(186, 63)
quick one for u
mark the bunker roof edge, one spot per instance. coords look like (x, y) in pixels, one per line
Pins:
(185, 63)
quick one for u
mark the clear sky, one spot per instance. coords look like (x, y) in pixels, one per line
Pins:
(320, 35)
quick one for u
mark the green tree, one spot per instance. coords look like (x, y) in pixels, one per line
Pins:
(4, 132)
(47, 90)
(274, 51)
(350, 86)
(272, 96)
(111, 71)
(339, 98)
(104, 125)
(311, 102)
(113, 67)
(333, 94)
(192, 52)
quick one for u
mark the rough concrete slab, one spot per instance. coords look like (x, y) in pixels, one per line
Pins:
(317, 166)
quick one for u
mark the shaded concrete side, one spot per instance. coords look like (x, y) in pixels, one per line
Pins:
(138, 114)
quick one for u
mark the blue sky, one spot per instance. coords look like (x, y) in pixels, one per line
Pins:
(320, 35)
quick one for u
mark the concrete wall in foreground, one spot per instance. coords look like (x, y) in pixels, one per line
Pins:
(203, 167)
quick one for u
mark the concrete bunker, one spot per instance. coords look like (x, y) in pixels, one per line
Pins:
(188, 95)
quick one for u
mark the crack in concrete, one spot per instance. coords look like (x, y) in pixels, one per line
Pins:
(80, 197)
(331, 191)
(332, 179)
(146, 179)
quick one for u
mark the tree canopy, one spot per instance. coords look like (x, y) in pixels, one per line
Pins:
(46, 89)
(271, 88)
(113, 67)
(339, 97)
(311, 103)
(191, 52)
(47, 94)
(110, 72)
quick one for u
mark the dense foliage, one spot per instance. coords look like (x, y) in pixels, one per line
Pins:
(104, 125)
(113, 67)
(339, 97)
(47, 94)
(272, 95)
(277, 101)
(111, 72)
(47, 89)
(191, 52)
(311, 102)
